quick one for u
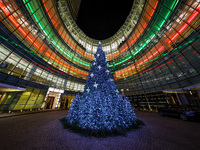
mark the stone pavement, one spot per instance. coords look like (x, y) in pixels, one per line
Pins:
(13, 114)
(44, 131)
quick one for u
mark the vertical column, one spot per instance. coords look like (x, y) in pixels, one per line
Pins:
(184, 98)
(178, 98)
(30, 73)
(64, 85)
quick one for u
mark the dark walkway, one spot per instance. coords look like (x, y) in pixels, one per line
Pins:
(43, 131)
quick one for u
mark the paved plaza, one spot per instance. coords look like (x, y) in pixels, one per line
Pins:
(44, 131)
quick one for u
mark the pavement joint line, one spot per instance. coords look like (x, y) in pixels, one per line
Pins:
(26, 113)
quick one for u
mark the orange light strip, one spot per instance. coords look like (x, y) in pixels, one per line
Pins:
(63, 35)
(29, 38)
(16, 24)
(162, 48)
(135, 34)
(149, 16)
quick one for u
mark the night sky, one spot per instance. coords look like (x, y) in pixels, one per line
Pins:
(100, 19)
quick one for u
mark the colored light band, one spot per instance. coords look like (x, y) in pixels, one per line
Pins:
(150, 35)
(137, 35)
(28, 37)
(51, 37)
(59, 31)
(117, 73)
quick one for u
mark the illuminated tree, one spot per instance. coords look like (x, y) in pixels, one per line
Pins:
(73, 113)
(100, 110)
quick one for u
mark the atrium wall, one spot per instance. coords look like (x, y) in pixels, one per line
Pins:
(156, 50)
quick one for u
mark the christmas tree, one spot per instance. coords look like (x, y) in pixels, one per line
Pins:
(73, 114)
(100, 110)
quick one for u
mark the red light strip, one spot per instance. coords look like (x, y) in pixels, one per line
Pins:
(16, 24)
(149, 16)
(191, 18)
(108, 57)
(171, 62)
(182, 57)
(160, 49)
(63, 35)
(29, 38)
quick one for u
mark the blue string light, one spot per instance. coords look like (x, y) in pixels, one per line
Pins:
(100, 107)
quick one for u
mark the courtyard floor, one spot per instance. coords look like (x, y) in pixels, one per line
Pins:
(44, 131)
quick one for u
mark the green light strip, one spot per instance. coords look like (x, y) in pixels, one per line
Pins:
(50, 36)
(192, 40)
(148, 38)
(134, 51)
(17, 45)
(29, 51)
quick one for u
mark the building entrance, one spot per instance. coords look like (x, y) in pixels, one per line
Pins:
(49, 102)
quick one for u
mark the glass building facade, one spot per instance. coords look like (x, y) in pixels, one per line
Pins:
(154, 56)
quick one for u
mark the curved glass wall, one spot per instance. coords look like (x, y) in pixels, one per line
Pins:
(156, 49)
(171, 59)
(109, 45)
